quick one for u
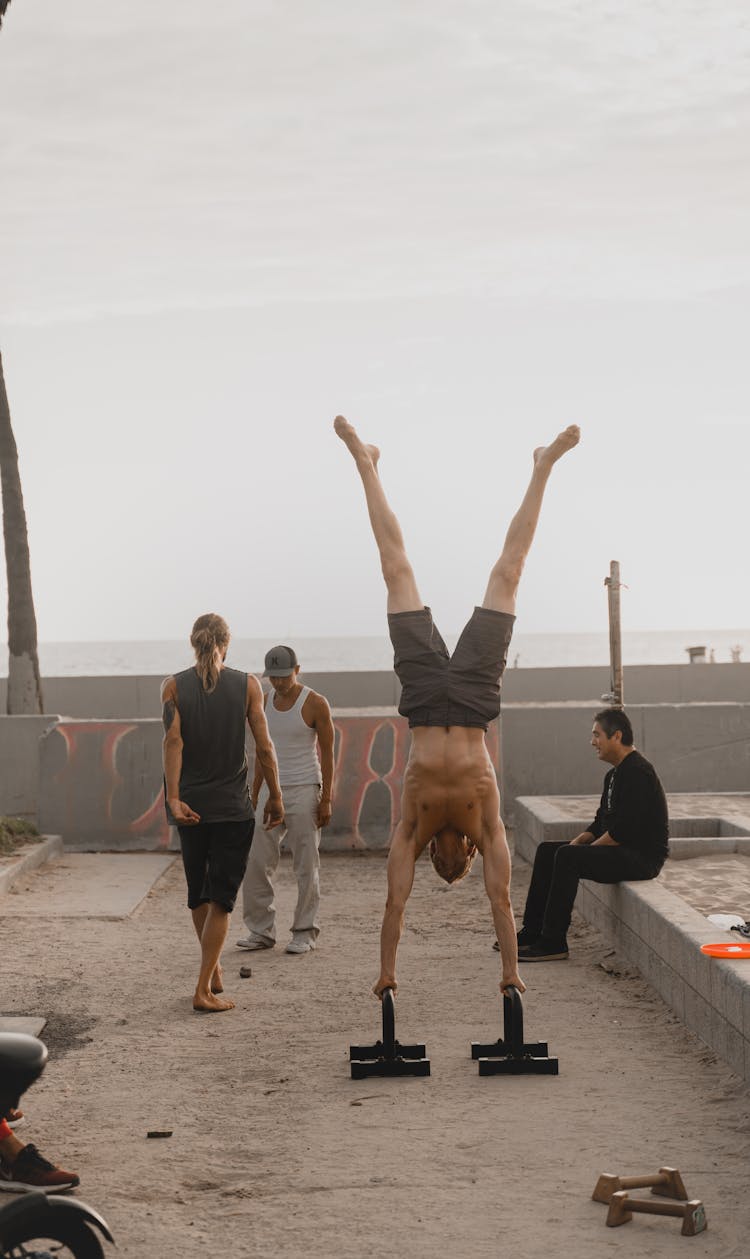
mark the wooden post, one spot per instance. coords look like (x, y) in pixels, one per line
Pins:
(616, 696)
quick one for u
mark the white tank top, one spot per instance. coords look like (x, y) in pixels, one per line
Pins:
(295, 742)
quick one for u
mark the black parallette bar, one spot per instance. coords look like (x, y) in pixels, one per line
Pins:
(518, 1066)
(499, 1049)
(388, 1056)
(390, 1066)
(363, 1052)
(511, 1055)
(513, 1021)
(389, 1023)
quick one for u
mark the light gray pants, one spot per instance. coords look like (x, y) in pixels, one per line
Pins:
(300, 830)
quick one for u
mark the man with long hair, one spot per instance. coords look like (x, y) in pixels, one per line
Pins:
(205, 709)
(450, 799)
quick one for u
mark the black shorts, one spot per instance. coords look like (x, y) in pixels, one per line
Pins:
(442, 690)
(214, 855)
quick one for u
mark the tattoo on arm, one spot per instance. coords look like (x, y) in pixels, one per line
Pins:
(169, 709)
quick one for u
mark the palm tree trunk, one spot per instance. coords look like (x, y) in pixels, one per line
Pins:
(24, 684)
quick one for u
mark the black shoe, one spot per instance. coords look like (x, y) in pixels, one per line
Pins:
(544, 951)
(524, 936)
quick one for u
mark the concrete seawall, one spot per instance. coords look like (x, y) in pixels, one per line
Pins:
(100, 782)
(138, 696)
(20, 739)
(695, 747)
(656, 928)
(97, 780)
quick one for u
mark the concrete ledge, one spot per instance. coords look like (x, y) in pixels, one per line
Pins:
(137, 695)
(708, 846)
(26, 1023)
(99, 886)
(11, 868)
(656, 930)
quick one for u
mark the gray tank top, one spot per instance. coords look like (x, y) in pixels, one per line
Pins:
(214, 761)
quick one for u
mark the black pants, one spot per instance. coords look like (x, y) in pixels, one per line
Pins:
(554, 881)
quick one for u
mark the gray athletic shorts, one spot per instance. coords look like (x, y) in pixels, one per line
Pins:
(438, 689)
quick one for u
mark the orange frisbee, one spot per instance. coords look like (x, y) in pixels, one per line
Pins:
(733, 952)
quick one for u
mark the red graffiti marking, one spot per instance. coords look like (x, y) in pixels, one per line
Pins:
(93, 784)
(81, 793)
(353, 772)
(154, 821)
(395, 777)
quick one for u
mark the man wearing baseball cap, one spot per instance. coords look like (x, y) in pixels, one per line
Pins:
(300, 725)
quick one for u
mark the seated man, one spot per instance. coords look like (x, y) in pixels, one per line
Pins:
(628, 840)
(450, 799)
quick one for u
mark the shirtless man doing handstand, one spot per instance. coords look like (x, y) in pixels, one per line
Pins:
(450, 799)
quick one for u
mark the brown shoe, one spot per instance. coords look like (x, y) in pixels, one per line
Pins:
(30, 1172)
(14, 1118)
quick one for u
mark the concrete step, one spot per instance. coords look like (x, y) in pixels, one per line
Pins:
(101, 885)
(28, 858)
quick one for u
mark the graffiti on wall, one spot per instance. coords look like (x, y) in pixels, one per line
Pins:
(101, 782)
(371, 756)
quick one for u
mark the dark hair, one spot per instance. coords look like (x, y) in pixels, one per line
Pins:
(613, 719)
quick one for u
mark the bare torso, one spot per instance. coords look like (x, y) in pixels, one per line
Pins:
(449, 781)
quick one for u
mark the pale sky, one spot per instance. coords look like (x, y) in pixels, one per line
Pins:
(462, 223)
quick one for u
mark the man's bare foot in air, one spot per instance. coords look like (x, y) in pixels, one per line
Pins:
(350, 438)
(209, 1003)
(545, 456)
(217, 980)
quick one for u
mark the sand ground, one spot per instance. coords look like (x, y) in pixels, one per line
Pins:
(276, 1151)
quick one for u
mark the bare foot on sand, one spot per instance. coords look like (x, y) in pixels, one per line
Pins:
(363, 454)
(545, 456)
(208, 1003)
(217, 980)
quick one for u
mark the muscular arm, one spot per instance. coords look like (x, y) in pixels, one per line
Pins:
(401, 862)
(323, 726)
(264, 752)
(172, 755)
(496, 863)
(258, 770)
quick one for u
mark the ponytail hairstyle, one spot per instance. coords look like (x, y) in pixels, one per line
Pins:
(209, 639)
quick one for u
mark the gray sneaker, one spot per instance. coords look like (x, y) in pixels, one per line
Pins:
(253, 944)
(299, 946)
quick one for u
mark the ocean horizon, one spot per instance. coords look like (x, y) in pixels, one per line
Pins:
(366, 653)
